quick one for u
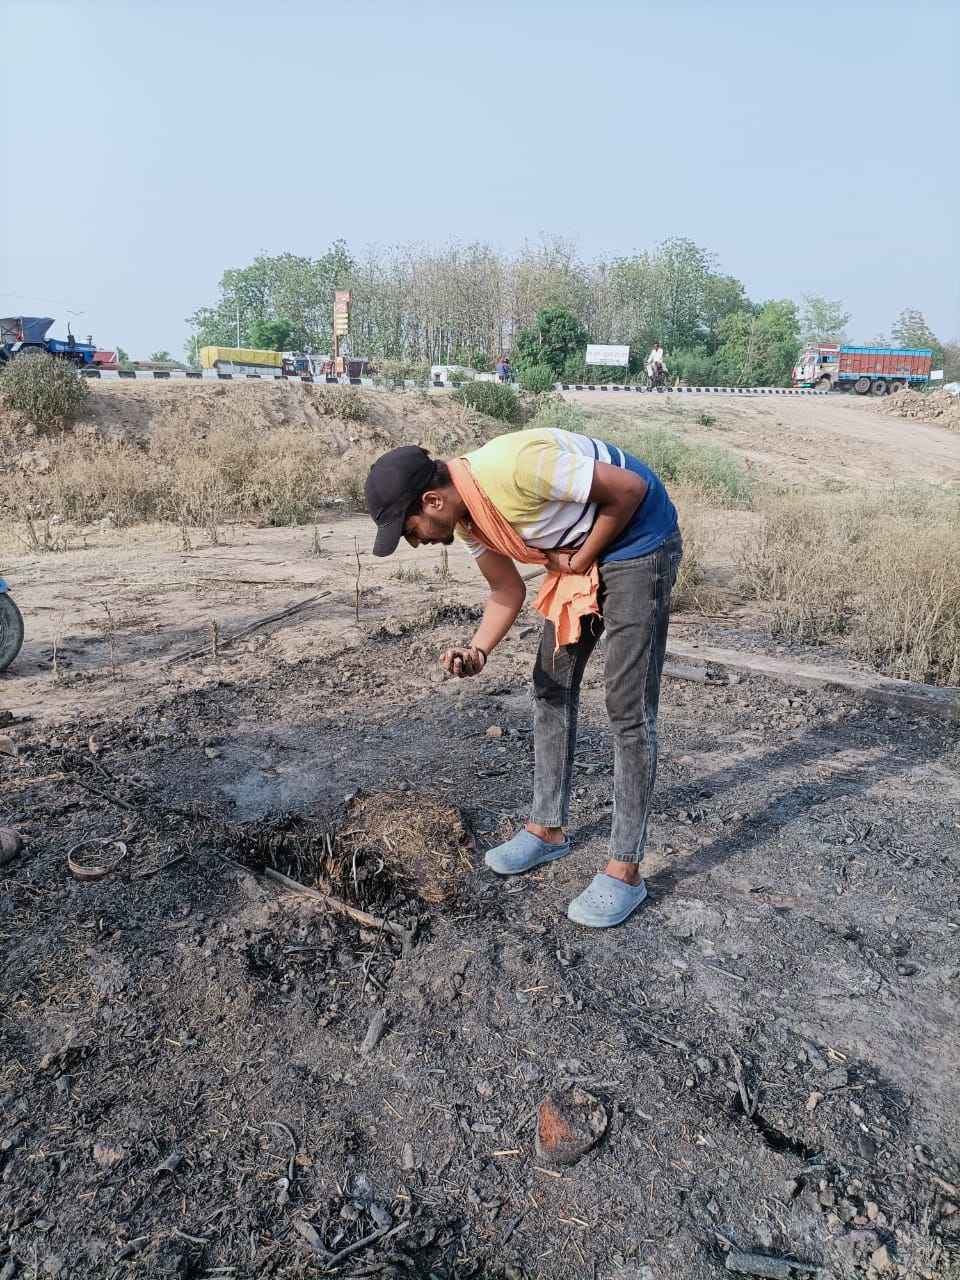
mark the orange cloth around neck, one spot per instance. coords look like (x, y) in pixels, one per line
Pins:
(565, 598)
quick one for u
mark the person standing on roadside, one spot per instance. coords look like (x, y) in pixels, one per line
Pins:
(603, 526)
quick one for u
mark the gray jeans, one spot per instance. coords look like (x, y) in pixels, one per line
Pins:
(635, 607)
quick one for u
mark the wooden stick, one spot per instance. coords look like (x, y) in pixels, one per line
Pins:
(253, 626)
(362, 1244)
(337, 904)
(356, 550)
(749, 1105)
(657, 1035)
(152, 871)
(104, 795)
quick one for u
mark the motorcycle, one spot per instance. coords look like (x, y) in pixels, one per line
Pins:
(11, 628)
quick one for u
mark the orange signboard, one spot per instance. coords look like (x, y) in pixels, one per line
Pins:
(341, 312)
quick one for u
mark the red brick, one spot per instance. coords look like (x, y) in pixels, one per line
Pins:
(568, 1125)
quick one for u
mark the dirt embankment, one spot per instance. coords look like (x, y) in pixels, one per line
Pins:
(136, 412)
(202, 454)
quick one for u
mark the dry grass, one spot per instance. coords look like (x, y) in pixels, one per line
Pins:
(283, 477)
(346, 403)
(689, 591)
(879, 575)
(715, 474)
(388, 842)
(204, 465)
(421, 840)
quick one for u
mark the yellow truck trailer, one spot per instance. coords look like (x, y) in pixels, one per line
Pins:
(240, 360)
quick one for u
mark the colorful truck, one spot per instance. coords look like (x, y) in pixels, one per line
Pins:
(873, 370)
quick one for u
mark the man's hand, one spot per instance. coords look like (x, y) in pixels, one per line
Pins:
(559, 561)
(463, 662)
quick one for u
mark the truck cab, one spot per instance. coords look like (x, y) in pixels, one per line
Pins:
(818, 366)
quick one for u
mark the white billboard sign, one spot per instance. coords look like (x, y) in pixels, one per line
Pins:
(598, 354)
(936, 375)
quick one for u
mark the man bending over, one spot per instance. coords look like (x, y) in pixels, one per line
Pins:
(602, 525)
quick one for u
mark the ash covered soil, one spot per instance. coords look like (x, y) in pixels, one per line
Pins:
(205, 1074)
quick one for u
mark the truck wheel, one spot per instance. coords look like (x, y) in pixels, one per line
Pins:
(11, 631)
(825, 384)
(895, 386)
(879, 388)
(862, 386)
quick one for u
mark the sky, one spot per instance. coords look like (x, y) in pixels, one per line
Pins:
(148, 145)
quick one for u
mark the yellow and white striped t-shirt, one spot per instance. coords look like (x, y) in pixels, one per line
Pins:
(540, 483)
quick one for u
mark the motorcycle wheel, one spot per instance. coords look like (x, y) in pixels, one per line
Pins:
(11, 631)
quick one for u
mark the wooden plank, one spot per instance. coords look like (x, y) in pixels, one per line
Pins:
(922, 699)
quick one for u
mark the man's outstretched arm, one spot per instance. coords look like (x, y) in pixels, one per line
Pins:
(507, 594)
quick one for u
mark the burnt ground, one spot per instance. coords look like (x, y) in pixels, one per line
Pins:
(182, 1086)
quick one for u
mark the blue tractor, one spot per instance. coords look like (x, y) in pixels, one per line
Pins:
(25, 335)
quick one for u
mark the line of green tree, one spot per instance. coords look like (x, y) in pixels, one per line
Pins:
(465, 304)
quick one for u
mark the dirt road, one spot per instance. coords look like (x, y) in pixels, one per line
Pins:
(106, 622)
(802, 441)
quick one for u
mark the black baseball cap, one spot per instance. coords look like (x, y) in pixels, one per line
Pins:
(394, 484)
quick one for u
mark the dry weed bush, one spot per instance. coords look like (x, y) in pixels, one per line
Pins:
(89, 479)
(392, 373)
(81, 482)
(346, 403)
(46, 389)
(282, 476)
(879, 574)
